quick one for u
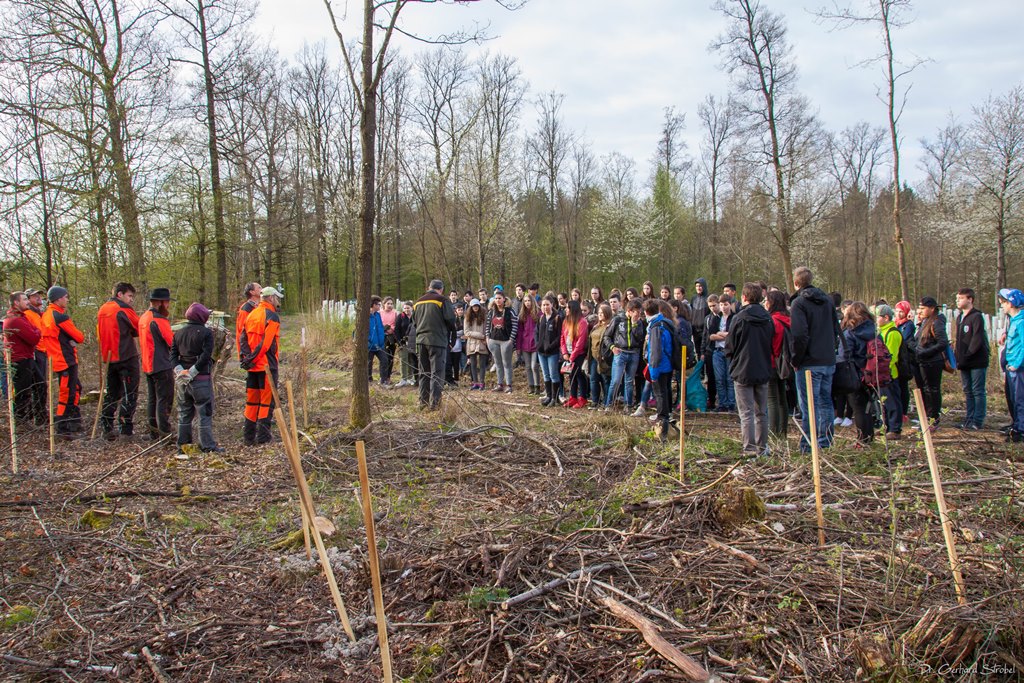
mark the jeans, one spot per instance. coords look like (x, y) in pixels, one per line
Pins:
(501, 351)
(382, 360)
(194, 398)
(533, 376)
(478, 368)
(623, 368)
(821, 386)
(778, 408)
(598, 382)
(432, 360)
(551, 365)
(723, 381)
(892, 406)
(973, 382)
(1017, 382)
(752, 403)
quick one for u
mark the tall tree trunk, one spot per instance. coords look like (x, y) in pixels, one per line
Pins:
(897, 223)
(219, 236)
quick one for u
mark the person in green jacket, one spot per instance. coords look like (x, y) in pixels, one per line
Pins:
(892, 400)
(434, 318)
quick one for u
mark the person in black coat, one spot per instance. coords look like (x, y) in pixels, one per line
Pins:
(749, 350)
(813, 331)
(972, 358)
(929, 346)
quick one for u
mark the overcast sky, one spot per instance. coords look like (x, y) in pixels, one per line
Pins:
(619, 64)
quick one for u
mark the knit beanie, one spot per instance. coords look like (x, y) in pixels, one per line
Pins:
(197, 313)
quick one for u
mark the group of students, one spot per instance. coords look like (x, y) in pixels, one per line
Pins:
(41, 340)
(750, 351)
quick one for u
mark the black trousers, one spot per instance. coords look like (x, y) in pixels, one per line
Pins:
(432, 363)
(160, 391)
(929, 380)
(709, 374)
(24, 379)
(858, 403)
(122, 395)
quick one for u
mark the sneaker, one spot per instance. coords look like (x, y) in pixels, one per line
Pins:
(498, 388)
(837, 422)
(581, 403)
(653, 418)
(639, 412)
(508, 389)
(847, 422)
(893, 436)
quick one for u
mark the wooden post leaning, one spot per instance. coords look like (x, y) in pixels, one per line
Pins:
(371, 550)
(294, 434)
(10, 409)
(306, 500)
(305, 383)
(815, 456)
(940, 499)
(103, 385)
(682, 416)
(49, 402)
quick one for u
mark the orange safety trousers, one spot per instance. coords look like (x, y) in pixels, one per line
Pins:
(69, 390)
(259, 397)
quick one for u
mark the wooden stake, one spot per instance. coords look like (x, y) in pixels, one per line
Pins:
(103, 386)
(682, 416)
(10, 409)
(307, 501)
(294, 435)
(49, 402)
(815, 457)
(305, 383)
(940, 499)
(371, 549)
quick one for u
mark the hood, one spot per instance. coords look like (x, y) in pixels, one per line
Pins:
(755, 314)
(814, 295)
(782, 318)
(197, 313)
(865, 331)
(703, 283)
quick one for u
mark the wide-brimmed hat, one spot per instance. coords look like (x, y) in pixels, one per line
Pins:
(160, 294)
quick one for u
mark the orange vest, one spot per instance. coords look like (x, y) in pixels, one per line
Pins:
(262, 327)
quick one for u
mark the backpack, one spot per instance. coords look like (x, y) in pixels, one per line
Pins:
(877, 372)
(904, 360)
(784, 361)
(677, 346)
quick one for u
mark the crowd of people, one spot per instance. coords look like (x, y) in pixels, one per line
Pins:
(42, 341)
(746, 350)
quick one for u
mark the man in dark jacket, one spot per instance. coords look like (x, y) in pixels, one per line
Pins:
(20, 338)
(192, 358)
(434, 317)
(699, 311)
(972, 356)
(749, 350)
(813, 333)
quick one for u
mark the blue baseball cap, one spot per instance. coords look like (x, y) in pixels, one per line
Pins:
(1014, 296)
(497, 288)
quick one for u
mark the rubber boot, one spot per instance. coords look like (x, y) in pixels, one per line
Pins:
(263, 434)
(546, 401)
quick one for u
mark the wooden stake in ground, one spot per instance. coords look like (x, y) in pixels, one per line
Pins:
(294, 434)
(940, 499)
(682, 416)
(305, 383)
(815, 457)
(306, 500)
(10, 409)
(371, 549)
(49, 402)
(103, 385)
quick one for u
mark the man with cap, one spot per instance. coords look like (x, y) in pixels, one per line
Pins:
(117, 326)
(258, 354)
(60, 339)
(1012, 303)
(251, 292)
(434, 318)
(21, 338)
(155, 340)
(192, 359)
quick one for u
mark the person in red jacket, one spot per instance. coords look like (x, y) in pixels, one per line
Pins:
(20, 339)
(117, 325)
(259, 357)
(575, 334)
(60, 341)
(252, 300)
(155, 340)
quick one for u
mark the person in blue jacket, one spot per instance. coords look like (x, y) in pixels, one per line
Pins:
(1012, 303)
(377, 343)
(658, 350)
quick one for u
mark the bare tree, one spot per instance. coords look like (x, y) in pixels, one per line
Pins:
(719, 127)
(994, 157)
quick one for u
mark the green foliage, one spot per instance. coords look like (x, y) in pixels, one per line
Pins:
(18, 614)
(484, 596)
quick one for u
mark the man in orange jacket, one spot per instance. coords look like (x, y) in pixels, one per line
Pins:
(258, 354)
(59, 339)
(252, 300)
(117, 325)
(155, 340)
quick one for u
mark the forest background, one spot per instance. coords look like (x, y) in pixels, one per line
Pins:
(169, 143)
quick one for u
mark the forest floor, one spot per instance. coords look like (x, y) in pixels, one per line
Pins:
(120, 566)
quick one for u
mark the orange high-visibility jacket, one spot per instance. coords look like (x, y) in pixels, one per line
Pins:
(155, 339)
(59, 338)
(117, 324)
(243, 312)
(36, 319)
(259, 344)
